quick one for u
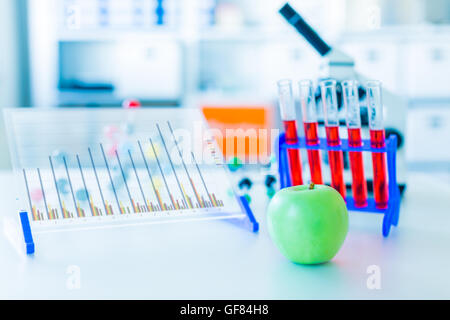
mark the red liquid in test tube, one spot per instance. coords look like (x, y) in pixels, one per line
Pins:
(290, 129)
(377, 140)
(359, 186)
(314, 159)
(335, 158)
(287, 109)
(351, 102)
(309, 113)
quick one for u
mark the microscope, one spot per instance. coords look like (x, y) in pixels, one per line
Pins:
(339, 66)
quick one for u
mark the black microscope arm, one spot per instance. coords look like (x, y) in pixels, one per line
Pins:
(304, 29)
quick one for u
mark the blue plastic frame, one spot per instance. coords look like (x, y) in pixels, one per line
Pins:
(391, 213)
(251, 224)
(27, 236)
(254, 225)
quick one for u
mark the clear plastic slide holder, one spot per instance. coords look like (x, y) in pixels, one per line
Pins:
(84, 168)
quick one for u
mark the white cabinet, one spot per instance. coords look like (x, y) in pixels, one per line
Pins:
(414, 66)
(285, 60)
(376, 59)
(428, 135)
(149, 70)
(428, 68)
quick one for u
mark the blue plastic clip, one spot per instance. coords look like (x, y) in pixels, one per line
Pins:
(248, 223)
(159, 12)
(248, 211)
(28, 237)
(391, 213)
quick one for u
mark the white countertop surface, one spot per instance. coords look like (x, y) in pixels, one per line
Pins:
(217, 260)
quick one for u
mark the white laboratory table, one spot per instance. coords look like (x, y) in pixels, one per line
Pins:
(217, 260)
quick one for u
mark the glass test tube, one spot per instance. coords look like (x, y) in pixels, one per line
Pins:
(309, 113)
(287, 109)
(353, 116)
(377, 140)
(330, 111)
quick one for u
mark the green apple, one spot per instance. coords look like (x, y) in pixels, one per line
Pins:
(308, 223)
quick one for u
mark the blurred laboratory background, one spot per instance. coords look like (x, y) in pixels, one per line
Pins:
(94, 53)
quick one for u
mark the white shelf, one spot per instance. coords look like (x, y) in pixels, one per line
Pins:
(118, 34)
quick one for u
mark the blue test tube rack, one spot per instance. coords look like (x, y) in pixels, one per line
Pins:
(391, 213)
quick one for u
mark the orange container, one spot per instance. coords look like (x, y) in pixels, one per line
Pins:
(245, 130)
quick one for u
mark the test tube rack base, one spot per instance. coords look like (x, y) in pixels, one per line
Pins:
(391, 213)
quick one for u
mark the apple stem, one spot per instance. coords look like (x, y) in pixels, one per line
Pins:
(311, 185)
